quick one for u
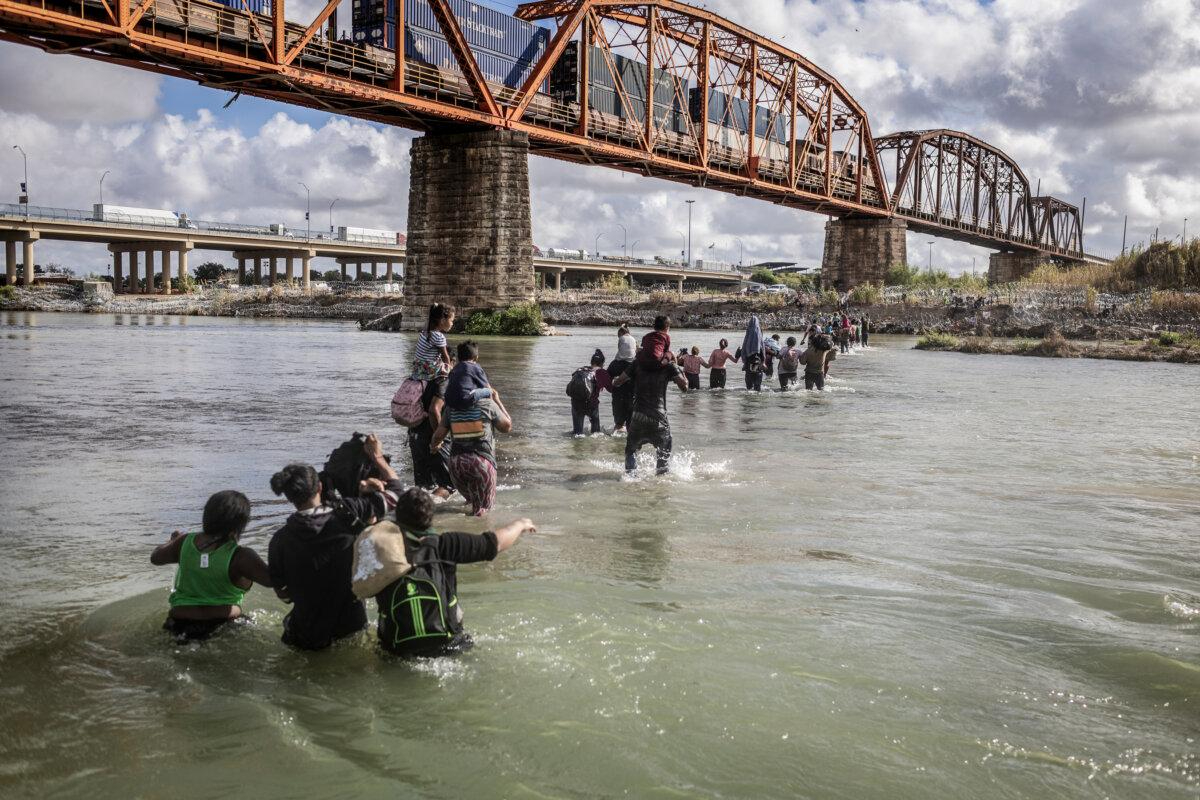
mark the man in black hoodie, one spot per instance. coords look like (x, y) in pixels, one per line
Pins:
(310, 557)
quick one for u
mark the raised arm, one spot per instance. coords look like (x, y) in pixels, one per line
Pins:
(507, 535)
(374, 451)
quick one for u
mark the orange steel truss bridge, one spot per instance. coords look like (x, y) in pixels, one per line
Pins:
(816, 151)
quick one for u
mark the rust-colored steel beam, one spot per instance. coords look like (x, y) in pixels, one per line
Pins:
(462, 52)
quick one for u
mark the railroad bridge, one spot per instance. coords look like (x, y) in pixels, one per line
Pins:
(656, 88)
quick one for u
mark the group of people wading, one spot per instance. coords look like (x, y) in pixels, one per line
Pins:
(358, 533)
(639, 376)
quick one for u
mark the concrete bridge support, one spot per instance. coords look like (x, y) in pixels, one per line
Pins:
(861, 250)
(469, 231)
(1009, 267)
(11, 239)
(10, 263)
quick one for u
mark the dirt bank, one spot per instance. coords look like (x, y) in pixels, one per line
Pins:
(1168, 347)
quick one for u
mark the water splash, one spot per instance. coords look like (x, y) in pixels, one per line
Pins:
(1182, 606)
(683, 466)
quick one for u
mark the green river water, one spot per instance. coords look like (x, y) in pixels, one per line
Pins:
(949, 577)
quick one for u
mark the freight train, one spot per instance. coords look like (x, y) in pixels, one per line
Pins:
(507, 49)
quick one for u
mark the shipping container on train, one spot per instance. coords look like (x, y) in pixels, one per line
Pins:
(734, 112)
(253, 6)
(564, 77)
(434, 51)
(484, 28)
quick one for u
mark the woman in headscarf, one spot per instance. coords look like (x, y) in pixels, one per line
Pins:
(752, 355)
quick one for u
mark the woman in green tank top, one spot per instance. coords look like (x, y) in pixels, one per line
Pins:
(213, 571)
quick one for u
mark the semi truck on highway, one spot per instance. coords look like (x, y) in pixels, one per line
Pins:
(106, 212)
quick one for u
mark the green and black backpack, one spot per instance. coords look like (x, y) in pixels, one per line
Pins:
(417, 613)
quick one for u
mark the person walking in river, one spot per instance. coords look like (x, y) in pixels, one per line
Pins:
(865, 328)
(584, 390)
(214, 572)
(622, 397)
(649, 423)
(473, 444)
(431, 469)
(716, 365)
(816, 361)
(789, 363)
(692, 363)
(752, 355)
(310, 556)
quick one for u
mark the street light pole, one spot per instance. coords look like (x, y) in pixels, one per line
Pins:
(690, 203)
(1184, 231)
(331, 216)
(741, 250)
(25, 183)
(598, 237)
(102, 177)
(307, 211)
(931, 258)
(624, 243)
(683, 241)
(633, 250)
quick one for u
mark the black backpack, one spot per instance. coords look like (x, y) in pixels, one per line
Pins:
(582, 384)
(417, 614)
(823, 342)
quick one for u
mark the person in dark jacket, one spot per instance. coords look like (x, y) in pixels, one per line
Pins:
(310, 557)
(431, 471)
(414, 516)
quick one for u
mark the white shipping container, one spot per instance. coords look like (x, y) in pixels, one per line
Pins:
(351, 234)
(104, 212)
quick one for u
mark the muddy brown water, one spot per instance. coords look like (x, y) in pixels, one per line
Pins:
(949, 577)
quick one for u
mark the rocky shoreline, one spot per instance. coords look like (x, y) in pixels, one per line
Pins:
(1169, 348)
(1026, 314)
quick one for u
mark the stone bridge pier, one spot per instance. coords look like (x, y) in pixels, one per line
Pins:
(470, 239)
(862, 250)
(1011, 265)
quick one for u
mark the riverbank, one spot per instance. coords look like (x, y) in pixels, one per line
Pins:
(1166, 347)
(1017, 311)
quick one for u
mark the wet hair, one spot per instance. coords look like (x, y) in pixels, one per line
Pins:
(695, 350)
(662, 322)
(297, 482)
(623, 330)
(226, 515)
(414, 509)
(791, 341)
(467, 351)
(437, 313)
(775, 337)
(598, 358)
(724, 343)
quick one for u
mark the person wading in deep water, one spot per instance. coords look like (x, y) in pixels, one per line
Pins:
(435, 557)
(789, 363)
(692, 364)
(214, 571)
(716, 363)
(473, 444)
(622, 398)
(310, 557)
(649, 423)
(431, 470)
(816, 361)
(584, 390)
(752, 354)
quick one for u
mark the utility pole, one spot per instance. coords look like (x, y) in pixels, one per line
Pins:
(598, 235)
(690, 203)
(624, 244)
(102, 177)
(741, 250)
(308, 213)
(331, 216)
(24, 198)
(931, 258)
(683, 241)
(1184, 239)
(1124, 233)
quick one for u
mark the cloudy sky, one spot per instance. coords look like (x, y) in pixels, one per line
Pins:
(1094, 98)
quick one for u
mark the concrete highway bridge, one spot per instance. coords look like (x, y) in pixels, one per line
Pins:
(732, 111)
(139, 244)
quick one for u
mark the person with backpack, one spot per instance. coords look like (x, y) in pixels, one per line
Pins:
(431, 468)
(214, 571)
(584, 390)
(789, 363)
(311, 554)
(816, 361)
(419, 612)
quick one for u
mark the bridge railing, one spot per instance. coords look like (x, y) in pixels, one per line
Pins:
(125, 220)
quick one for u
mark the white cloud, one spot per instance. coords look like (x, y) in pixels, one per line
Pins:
(1090, 96)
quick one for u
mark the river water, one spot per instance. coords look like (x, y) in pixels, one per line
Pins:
(951, 576)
